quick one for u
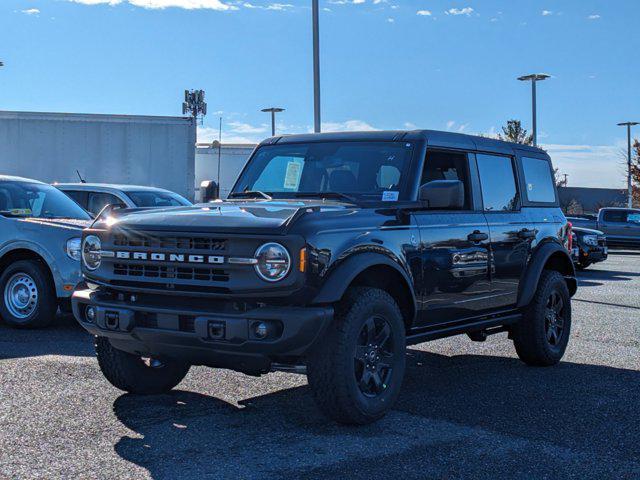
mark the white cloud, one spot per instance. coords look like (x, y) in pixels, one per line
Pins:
(31, 11)
(348, 126)
(546, 13)
(161, 4)
(240, 127)
(593, 17)
(589, 165)
(460, 11)
(424, 13)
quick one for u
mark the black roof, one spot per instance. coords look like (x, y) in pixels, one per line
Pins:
(433, 138)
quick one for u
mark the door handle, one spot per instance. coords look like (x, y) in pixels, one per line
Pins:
(526, 233)
(477, 236)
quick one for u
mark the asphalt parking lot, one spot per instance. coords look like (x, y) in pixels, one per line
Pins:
(468, 410)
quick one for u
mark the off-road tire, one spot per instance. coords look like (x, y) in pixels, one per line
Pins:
(45, 307)
(530, 335)
(129, 372)
(332, 369)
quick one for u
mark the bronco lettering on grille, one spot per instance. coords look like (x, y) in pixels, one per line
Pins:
(166, 257)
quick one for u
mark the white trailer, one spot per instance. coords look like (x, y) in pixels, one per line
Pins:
(124, 149)
(233, 158)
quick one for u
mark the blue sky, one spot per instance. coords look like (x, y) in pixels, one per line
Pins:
(386, 64)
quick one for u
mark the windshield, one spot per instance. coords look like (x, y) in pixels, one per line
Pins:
(37, 200)
(368, 171)
(157, 199)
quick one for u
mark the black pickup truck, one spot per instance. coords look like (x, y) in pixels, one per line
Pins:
(332, 254)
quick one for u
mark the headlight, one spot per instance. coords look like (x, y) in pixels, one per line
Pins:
(591, 240)
(274, 262)
(73, 249)
(91, 248)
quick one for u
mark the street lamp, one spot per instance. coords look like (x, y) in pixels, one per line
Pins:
(629, 183)
(316, 66)
(534, 78)
(273, 111)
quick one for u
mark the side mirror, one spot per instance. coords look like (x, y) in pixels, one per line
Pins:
(209, 191)
(442, 194)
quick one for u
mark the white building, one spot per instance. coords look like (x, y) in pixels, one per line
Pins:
(233, 158)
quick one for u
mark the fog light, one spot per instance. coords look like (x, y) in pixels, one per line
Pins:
(91, 314)
(260, 329)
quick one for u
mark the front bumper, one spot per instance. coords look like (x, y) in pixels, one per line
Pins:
(592, 254)
(202, 336)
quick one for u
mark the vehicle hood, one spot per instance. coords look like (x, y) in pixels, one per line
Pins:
(57, 223)
(268, 216)
(587, 231)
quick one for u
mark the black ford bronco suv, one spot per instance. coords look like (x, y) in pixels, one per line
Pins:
(332, 253)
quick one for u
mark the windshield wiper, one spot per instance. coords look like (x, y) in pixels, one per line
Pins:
(250, 194)
(326, 195)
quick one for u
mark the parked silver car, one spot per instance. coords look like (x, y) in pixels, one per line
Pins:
(40, 229)
(93, 197)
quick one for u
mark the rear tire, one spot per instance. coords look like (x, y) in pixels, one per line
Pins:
(28, 295)
(356, 370)
(541, 337)
(134, 374)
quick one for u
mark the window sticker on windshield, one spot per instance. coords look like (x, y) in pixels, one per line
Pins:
(633, 218)
(292, 177)
(390, 196)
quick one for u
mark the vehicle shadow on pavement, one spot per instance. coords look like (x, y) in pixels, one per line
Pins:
(596, 278)
(63, 337)
(490, 410)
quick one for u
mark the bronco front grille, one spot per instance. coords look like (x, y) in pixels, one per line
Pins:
(172, 242)
(203, 274)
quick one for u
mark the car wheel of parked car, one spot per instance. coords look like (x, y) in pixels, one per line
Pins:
(356, 370)
(28, 295)
(136, 374)
(542, 335)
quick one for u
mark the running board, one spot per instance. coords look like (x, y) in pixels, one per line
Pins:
(438, 331)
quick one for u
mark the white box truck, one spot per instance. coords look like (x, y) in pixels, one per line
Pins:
(124, 149)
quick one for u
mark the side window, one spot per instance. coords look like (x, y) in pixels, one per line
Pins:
(448, 166)
(539, 181)
(79, 197)
(97, 201)
(497, 179)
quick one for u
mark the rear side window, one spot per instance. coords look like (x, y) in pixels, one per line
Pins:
(539, 181)
(499, 192)
(621, 216)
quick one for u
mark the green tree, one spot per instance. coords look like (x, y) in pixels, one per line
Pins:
(513, 132)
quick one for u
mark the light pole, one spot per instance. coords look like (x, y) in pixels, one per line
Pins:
(534, 78)
(316, 66)
(273, 111)
(629, 182)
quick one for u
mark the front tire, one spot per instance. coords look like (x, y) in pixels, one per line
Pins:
(356, 370)
(135, 374)
(541, 337)
(28, 295)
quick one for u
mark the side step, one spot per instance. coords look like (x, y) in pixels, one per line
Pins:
(478, 330)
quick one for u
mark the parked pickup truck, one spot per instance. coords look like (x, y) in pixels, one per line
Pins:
(620, 225)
